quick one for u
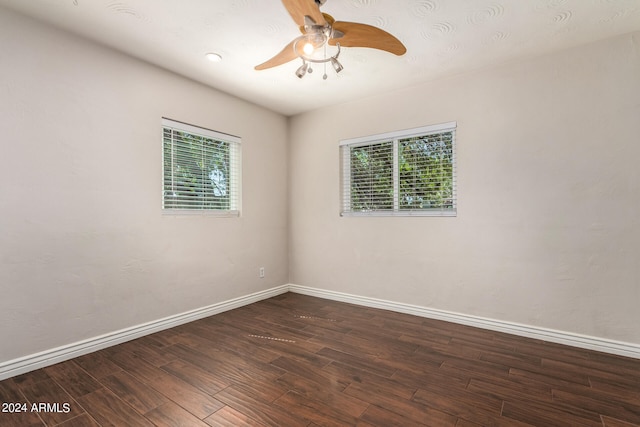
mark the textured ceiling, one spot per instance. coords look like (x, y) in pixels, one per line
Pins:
(442, 37)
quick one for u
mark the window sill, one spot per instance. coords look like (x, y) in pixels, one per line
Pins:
(432, 213)
(201, 212)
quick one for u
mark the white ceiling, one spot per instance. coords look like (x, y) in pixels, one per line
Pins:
(442, 37)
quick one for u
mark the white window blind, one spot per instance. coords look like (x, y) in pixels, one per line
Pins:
(410, 172)
(201, 170)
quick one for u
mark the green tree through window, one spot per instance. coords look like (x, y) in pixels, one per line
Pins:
(372, 177)
(426, 172)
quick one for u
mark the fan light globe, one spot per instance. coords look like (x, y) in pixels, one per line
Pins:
(308, 48)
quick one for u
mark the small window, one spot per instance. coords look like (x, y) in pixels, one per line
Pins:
(411, 172)
(201, 170)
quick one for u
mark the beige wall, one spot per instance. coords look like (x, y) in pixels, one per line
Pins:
(548, 228)
(84, 247)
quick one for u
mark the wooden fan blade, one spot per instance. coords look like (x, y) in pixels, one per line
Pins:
(363, 35)
(298, 9)
(287, 54)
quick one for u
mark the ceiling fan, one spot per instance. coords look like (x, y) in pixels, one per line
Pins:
(319, 30)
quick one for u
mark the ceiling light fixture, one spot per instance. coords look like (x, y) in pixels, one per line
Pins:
(213, 57)
(336, 64)
(313, 42)
(300, 72)
(308, 48)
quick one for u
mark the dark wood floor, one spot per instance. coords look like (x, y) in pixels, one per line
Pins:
(295, 360)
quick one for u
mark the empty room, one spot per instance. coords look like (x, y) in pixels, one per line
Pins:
(320, 213)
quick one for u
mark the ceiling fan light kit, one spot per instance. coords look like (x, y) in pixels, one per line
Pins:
(320, 30)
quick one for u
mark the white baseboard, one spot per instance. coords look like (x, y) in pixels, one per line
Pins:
(32, 362)
(559, 337)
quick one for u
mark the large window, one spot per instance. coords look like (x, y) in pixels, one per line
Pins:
(411, 172)
(201, 170)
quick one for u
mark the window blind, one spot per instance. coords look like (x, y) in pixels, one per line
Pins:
(411, 172)
(201, 169)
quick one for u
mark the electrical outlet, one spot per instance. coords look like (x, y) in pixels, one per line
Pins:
(261, 273)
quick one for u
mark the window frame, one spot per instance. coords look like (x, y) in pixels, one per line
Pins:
(395, 137)
(235, 169)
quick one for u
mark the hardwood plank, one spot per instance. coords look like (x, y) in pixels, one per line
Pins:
(97, 364)
(600, 404)
(441, 352)
(410, 409)
(184, 394)
(261, 411)
(339, 402)
(150, 353)
(501, 388)
(540, 414)
(380, 417)
(440, 377)
(315, 411)
(228, 340)
(475, 368)
(53, 404)
(75, 380)
(425, 340)
(137, 394)
(235, 364)
(30, 378)
(170, 415)
(304, 351)
(229, 417)
(83, 420)
(612, 422)
(391, 385)
(569, 379)
(109, 411)
(11, 394)
(325, 379)
(358, 361)
(235, 371)
(512, 360)
(460, 403)
(465, 423)
(197, 377)
(621, 391)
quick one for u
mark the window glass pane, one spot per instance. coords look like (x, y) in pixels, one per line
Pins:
(426, 172)
(216, 174)
(372, 177)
